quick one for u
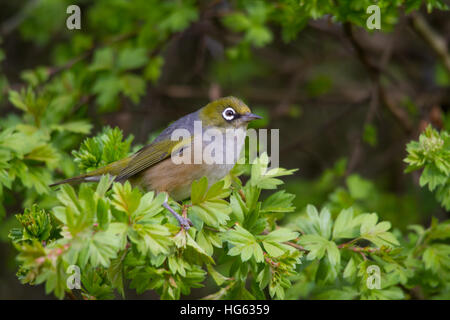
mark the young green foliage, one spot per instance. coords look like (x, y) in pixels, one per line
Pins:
(432, 154)
(252, 239)
(114, 232)
(102, 149)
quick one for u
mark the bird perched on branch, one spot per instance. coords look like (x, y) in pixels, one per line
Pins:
(170, 164)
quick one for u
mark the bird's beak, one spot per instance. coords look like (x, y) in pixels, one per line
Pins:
(250, 116)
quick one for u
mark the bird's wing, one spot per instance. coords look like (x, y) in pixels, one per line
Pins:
(151, 155)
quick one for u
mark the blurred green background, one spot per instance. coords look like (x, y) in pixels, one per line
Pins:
(346, 99)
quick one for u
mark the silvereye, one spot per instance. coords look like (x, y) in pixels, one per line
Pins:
(153, 167)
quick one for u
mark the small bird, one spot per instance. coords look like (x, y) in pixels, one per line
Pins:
(154, 169)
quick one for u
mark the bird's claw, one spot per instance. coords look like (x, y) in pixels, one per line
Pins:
(185, 223)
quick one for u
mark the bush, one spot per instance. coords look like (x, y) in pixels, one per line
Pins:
(114, 233)
(254, 237)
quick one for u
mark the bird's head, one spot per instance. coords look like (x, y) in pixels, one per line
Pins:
(227, 112)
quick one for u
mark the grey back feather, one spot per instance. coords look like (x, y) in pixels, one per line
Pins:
(186, 122)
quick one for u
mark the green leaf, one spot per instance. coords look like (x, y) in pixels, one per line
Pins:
(208, 204)
(133, 86)
(278, 202)
(181, 14)
(317, 224)
(350, 269)
(150, 238)
(259, 36)
(370, 135)
(107, 88)
(359, 188)
(238, 207)
(207, 240)
(437, 258)
(198, 190)
(78, 126)
(104, 184)
(345, 226)
(280, 235)
(115, 273)
(273, 242)
(103, 214)
(102, 248)
(148, 207)
(432, 152)
(37, 224)
(153, 69)
(45, 153)
(125, 198)
(132, 58)
(244, 244)
(344, 293)
(237, 21)
(103, 60)
(318, 246)
(377, 233)
(264, 277)
(199, 250)
(105, 148)
(263, 178)
(218, 278)
(432, 177)
(37, 178)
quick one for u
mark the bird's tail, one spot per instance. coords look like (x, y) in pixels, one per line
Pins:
(74, 180)
(112, 169)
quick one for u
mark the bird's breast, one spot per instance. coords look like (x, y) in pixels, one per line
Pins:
(175, 176)
(222, 147)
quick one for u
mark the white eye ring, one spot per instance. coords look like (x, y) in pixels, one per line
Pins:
(227, 116)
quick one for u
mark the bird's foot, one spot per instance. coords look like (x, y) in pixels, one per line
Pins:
(185, 223)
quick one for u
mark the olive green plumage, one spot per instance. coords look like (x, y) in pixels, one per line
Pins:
(211, 114)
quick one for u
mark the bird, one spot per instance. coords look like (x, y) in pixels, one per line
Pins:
(169, 165)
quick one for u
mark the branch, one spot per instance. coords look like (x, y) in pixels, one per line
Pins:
(296, 246)
(357, 151)
(431, 37)
(374, 72)
(71, 295)
(55, 70)
(15, 21)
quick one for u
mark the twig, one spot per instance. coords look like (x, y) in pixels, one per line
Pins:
(272, 263)
(242, 194)
(210, 228)
(317, 132)
(296, 246)
(363, 255)
(220, 293)
(268, 95)
(88, 53)
(15, 21)
(358, 147)
(283, 106)
(71, 295)
(374, 73)
(347, 244)
(431, 37)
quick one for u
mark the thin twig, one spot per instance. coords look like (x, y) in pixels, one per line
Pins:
(71, 295)
(431, 37)
(358, 146)
(15, 21)
(296, 246)
(374, 73)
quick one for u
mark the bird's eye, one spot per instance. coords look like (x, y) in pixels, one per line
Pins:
(228, 114)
